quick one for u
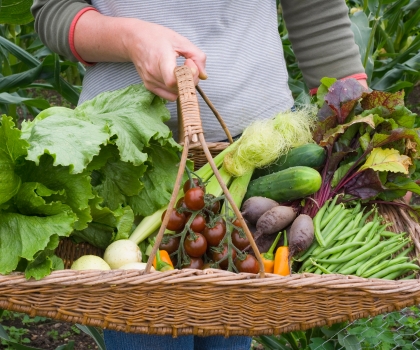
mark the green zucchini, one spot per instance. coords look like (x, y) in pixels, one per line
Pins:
(311, 155)
(286, 185)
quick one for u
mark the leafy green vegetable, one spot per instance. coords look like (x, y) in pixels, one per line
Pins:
(85, 172)
(371, 141)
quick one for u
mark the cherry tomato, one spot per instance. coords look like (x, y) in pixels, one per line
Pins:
(198, 224)
(195, 263)
(194, 198)
(187, 184)
(237, 223)
(215, 233)
(215, 207)
(249, 264)
(239, 242)
(176, 220)
(195, 247)
(219, 255)
(169, 243)
(181, 204)
(210, 265)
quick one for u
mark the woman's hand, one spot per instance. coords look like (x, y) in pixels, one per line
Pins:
(151, 47)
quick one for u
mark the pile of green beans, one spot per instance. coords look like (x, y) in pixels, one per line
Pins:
(347, 243)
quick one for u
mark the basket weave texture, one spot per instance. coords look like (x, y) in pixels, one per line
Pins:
(208, 302)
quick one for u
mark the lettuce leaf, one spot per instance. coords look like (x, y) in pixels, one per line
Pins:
(11, 149)
(85, 172)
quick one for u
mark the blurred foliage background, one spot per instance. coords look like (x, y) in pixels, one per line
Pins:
(32, 77)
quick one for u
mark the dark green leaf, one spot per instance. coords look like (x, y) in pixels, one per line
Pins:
(69, 346)
(19, 53)
(271, 342)
(19, 80)
(3, 334)
(16, 11)
(14, 98)
(93, 332)
(350, 342)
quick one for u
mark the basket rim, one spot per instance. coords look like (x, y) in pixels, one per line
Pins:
(212, 276)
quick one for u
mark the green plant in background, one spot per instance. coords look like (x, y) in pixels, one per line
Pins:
(28, 68)
(396, 330)
(387, 33)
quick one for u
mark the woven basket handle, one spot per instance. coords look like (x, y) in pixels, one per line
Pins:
(193, 132)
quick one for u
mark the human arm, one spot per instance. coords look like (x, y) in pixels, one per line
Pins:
(93, 37)
(322, 40)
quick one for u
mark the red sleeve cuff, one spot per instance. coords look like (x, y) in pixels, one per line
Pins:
(71, 35)
(358, 76)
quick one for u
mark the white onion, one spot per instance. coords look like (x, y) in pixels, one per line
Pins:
(122, 252)
(90, 262)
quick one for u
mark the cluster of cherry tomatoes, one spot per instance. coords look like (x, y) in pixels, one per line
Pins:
(202, 237)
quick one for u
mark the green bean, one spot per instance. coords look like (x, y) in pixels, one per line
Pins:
(328, 234)
(410, 277)
(368, 254)
(330, 216)
(406, 251)
(351, 227)
(347, 234)
(388, 233)
(332, 203)
(394, 247)
(331, 236)
(373, 230)
(351, 269)
(317, 225)
(338, 248)
(320, 267)
(395, 275)
(357, 219)
(308, 251)
(358, 237)
(335, 267)
(394, 268)
(364, 218)
(338, 223)
(374, 269)
(356, 208)
(367, 247)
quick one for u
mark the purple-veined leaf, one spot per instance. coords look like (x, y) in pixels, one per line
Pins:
(365, 185)
(331, 135)
(380, 140)
(343, 96)
(382, 98)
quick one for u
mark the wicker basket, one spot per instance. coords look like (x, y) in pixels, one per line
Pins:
(208, 302)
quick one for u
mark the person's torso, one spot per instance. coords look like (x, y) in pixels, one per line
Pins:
(247, 76)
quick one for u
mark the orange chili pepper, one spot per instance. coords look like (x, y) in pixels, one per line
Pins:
(281, 260)
(268, 257)
(162, 261)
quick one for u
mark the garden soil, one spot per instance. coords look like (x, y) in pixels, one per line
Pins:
(47, 334)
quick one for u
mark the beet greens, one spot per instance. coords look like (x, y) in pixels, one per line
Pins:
(372, 143)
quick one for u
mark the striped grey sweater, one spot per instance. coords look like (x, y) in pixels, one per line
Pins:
(247, 75)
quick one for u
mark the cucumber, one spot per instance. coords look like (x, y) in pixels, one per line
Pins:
(311, 155)
(286, 185)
